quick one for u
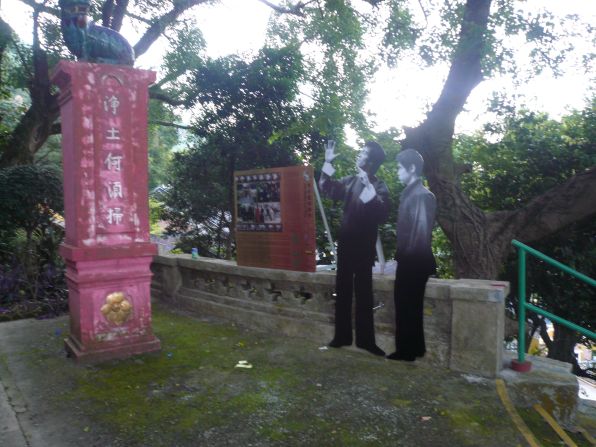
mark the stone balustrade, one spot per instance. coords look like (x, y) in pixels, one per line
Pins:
(464, 319)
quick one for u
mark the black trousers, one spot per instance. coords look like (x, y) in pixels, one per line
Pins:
(409, 307)
(354, 276)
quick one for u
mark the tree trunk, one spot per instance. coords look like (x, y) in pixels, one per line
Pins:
(35, 125)
(468, 228)
(31, 133)
(481, 241)
(562, 345)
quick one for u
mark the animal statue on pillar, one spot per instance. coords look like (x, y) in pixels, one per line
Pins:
(90, 42)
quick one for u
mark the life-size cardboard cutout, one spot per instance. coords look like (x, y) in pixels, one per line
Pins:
(366, 205)
(415, 261)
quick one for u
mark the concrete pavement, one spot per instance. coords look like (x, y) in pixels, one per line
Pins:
(191, 394)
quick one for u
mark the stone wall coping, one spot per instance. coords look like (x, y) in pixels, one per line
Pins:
(454, 289)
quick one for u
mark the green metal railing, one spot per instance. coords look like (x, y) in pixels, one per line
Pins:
(521, 342)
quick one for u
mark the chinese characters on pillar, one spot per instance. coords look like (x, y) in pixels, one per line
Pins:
(114, 205)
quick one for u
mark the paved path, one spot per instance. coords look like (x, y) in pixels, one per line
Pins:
(10, 429)
(296, 394)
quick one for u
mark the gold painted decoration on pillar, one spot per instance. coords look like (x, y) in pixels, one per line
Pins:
(117, 308)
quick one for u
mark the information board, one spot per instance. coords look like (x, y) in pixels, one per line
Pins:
(275, 220)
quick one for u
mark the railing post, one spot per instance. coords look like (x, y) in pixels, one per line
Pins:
(521, 294)
(521, 365)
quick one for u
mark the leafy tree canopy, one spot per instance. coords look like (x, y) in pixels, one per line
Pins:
(534, 154)
(246, 109)
(340, 44)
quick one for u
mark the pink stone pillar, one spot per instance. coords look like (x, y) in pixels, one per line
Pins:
(106, 248)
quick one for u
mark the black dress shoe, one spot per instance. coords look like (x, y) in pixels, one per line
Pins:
(399, 356)
(373, 349)
(338, 343)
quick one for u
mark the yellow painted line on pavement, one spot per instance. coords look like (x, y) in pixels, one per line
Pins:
(515, 417)
(556, 427)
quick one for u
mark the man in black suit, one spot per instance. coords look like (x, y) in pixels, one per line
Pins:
(366, 205)
(415, 260)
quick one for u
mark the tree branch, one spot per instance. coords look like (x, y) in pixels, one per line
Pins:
(295, 9)
(465, 72)
(158, 25)
(106, 13)
(113, 12)
(139, 18)
(41, 7)
(558, 207)
(168, 124)
(434, 136)
(423, 11)
(35, 125)
(119, 12)
(542, 329)
(56, 129)
(163, 97)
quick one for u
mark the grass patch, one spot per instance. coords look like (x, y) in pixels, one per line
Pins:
(190, 393)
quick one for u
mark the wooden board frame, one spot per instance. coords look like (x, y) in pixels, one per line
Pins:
(274, 214)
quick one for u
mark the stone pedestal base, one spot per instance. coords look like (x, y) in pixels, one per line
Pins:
(78, 352)
(110, 308)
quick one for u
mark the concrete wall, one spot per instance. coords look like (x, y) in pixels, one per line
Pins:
(464, 319)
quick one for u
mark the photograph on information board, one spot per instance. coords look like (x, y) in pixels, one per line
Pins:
(258, 199)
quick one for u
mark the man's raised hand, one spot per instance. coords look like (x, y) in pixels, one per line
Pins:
(330, 151)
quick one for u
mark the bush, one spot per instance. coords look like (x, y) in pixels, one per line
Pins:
(32, 280)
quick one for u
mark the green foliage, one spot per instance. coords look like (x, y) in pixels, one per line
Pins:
(14, 98)
(32, 280)
(185, 55)
(560, 293)
(534, 154)
(551, 41)
(29, 196)
(331, 40)
(155, 210)
(162, 139)
(50, 154)
(439, 43)
(50, 36)
(243, 105)
(400, 32)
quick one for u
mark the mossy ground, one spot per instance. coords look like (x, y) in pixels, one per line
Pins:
(191, 394)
